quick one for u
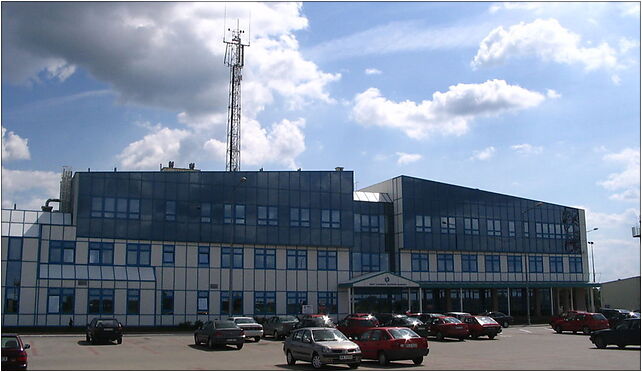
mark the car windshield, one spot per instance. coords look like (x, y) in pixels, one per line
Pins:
(598, 317)
(288, 318)
(10, 342)
(365, 323)
(319, 322)
(328, 335)
(485, 320)
(224, 324)
(244, 320)
(401, 333)
(411, 320)
(452, 320)
(107, 323)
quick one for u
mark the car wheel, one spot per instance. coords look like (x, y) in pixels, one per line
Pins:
(505, 324)
(87, 338)
(316, 361)
(119, 341)
(600, 343)
(440, 337)
(461, 338)
(239, 346)
(621, 346)
(586, 330)
(93, 340)
(490, 337)
(196, 342)
(290, 359)
(418, 360)
(275, 335)
(210, 343)
(257, 338)
(474, 336)
(383, 359)
(353, 365)
(558, 329)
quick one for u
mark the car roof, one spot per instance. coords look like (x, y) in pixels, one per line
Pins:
(9, 335)
(314, 328)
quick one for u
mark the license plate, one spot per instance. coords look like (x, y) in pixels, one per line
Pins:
(459, 327)
(231, 339)
(344, 357)
(108, 329)
(411, 346)
(4, 359)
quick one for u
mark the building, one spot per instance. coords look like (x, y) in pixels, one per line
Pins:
(621, 294)
(165, 247)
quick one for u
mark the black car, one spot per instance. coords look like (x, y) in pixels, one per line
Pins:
(501, 318)
(104, 329)
(220, 332)
(315, 321)
(385, 318)
(14, 355)
(408, 322)
(625, 333)
(279, 326)
(616, 316)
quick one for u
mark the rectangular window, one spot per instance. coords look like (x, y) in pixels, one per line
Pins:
(447, 225)
(264, 302)
(471, 226)
(575, 265)
(203, 303)
(300, 217)
(109, 207)
(239, 214)
(535, 264)
(330, 218)
(206, 212)
(368, 262)
(170, 210)
(204, 256)
(511, 228)
(494, 227)
(96, 207)
(445, 263)
(134, 209)
(121, 208)
(327, 260)
(133, 301)
(469, 263)
(514, 264)
(526, 234)
(264, 258)
(556, 264)
(11, 300)
(101, 253)
(60, 301)
(237, 302)
(167, 302)
(267, 216)
(492, 263)
(327, 302)
(168, 254)
(419, 261)
(100, 301)
(423, 224)
(538, 230)
(232, 258)
(368, 223)
(61, 251)
(545, 231)
(138, 254)
(15, 249)
(297, 259)
(294, 301)
(234, 214)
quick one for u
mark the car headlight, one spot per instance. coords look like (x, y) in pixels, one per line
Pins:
(357, 349)
(325, 349)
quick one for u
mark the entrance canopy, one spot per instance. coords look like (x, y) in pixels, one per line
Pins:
(382, 279)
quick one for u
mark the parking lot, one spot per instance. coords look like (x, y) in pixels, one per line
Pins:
(517, 348)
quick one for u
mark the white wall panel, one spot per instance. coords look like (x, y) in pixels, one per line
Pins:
(27, 300)
(237, 275)
(147, 300)
(120, 250)
(28, 274)
(203, 279)
(191, 298)
(259, 280)
(56, 233)
(281, 281)
(248, 302)
(248, 280)
(270, 280)
(120, 301)
(179, 279)
(301, 280)
(157, 255)
(281, 300)
(179, 254)
(191, 252)
(280, 258)
(69, 232)
(343, 260)
(29, 249)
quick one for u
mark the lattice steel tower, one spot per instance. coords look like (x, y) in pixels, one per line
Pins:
(234, 59)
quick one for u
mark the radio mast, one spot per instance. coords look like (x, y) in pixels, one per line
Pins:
(234, 59)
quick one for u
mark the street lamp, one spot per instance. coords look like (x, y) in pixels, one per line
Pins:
(592, 258)
(233, 223)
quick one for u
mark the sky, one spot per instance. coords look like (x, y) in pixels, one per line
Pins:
(536, 100)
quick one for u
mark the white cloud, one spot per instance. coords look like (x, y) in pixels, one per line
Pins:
(372, 71)
(13, 146)
(545, 39)
(631, 9)
(404, 158)
(484, 154)
(626, 182)
(529, 6)
(628, 44)
(162, 145)
(526, 148)
(448, 113)
(550, 93)
(28, 189)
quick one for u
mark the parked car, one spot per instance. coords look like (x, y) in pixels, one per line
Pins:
(479, 325)
(220, 332)
(316, 320)
(321, 346)
(279, 326)
(457, 314)
(355, 326)
(425, 317)
(616, 316)
(104, 329)
(501, 318)
(14, 355)
(626, 333)
(556, 319)
(582, 321)
(446, 326)
(405, 321)
(386, 344)
(250, 326)
(385, 318)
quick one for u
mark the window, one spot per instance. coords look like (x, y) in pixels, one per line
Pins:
(267, 216)
(445, 263)
(514, 264)
(423, 224)
(203, 256)
(469, 263)
(237, 302)
(168, 254)
(121, 208)
(134, 209)
(538, 230)
(15, 249)
(138, 254)
(419, 261)
(101, 301)
(167, 302)
(112, 207)
(203, 303)
(327, 302)
(297, 259)
(101, 253)
(11, 300)
(170, 210)
(575, 265)
(109, 206)
(264, 258)
(330, 218)
(232, 258)
(492, 263)
(300, 217)
(234, 213)
(326, 260)
(471, 226)
(206, 212)
(60, 301)
(448, 225)
(61, 251)
(264, 302)
(369, 262)
(494, 227)
(556, 264)
(368, 223)
(13, 272)
(133, 301)
(536, 264)
(96, 207)
(294, 301)
(526, 230)
(511, 228)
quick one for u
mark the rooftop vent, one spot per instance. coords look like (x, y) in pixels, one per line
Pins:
(338, 169)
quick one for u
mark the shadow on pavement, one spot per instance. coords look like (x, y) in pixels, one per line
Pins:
(216, 348)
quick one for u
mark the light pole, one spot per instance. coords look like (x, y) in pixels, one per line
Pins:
(593, 269)
(233, 223)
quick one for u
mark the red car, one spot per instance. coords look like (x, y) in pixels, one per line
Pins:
(353, 326)
(447, 326)
(582, 321)
(392, 343)
(479, 325)
(559, 318)
(14, 355)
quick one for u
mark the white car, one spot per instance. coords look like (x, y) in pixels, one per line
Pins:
(250, 326)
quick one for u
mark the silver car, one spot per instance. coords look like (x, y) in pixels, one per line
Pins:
(250, 326)
(321, 346)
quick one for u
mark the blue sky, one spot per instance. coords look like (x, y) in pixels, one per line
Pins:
(537, 100)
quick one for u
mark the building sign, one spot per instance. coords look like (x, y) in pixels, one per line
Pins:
(307, 309)
(385, 280)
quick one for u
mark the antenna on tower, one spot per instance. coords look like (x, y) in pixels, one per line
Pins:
(234, 56)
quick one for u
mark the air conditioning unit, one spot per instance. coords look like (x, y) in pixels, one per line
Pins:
(636, 231)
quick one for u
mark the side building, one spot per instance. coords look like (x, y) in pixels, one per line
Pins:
(161, 248)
